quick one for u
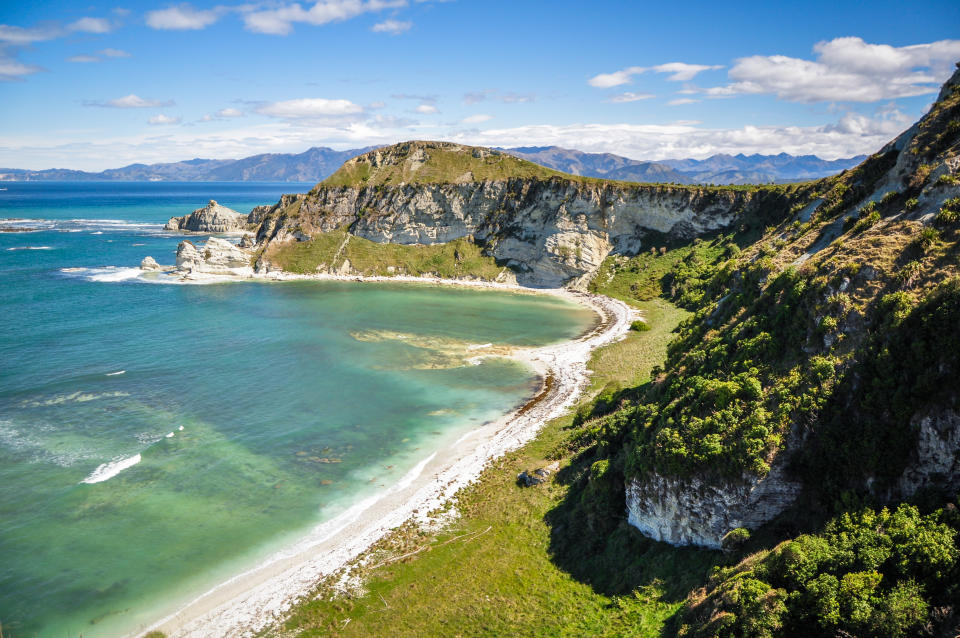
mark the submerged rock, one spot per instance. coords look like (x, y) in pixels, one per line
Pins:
(212, 218)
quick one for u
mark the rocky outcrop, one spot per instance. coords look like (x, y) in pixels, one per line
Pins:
(936, 459)
(551, 232)
(695, 511)
(212, 218)
(149, 263)
(216, 257)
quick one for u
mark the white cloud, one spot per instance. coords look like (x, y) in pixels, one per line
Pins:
(91, 25)
(12, 70)
(393, 27)
(847, 70)
(609, 80)
(682, 100)
(427, 109)
(280, 21)
(507, 97)
(161, 119)
(20, 36)
(853, 134)
(114, 53)
(680, 72)
(83, 58)
(183, 18)
(477, 119)
(313, 111)
(630, 97)
(683, 72)
(130, 102)
(229, 112)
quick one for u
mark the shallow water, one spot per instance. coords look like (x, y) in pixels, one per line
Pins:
(155, 439)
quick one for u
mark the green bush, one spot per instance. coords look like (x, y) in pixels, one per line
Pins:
(640, 326)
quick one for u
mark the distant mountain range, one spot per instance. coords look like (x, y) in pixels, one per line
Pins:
(318, 163)
(716, 169)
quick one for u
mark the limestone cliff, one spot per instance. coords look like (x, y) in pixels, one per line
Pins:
(550, 228)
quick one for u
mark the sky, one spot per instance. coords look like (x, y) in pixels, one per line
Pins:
(101, 85)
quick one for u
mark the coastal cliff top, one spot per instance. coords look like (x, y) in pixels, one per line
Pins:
(423, 162)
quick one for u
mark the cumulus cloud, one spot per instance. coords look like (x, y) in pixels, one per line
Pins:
(280, 20)
(183, 18)
(682, 100)
(91, 25)
(130, 102)
(630, 97)
(19, 36)
(161, 119)
(845, 70)
(683, 72)
(679, 72)
(12, 70)
(229, 112)
(610, 80)
(83, 58)
(477, 119)
(393, 27)
(427, 109)
(853, 134)
(313, 111)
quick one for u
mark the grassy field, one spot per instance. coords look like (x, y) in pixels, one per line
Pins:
(456, 259)
(506, 565)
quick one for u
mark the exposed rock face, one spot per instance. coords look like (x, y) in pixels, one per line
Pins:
(216, 257)
(149, 263)
(552, 232)
(212, 218)
(936, 460)
(697, 512)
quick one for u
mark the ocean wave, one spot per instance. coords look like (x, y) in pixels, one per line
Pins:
(106, 471)
(113, 374)
(30, 248)
(73, 397)
(104, 273)
(96, 226)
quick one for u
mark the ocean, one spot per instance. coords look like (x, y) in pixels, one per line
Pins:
(157, 438)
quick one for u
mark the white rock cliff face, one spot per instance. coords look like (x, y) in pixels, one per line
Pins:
(936, 459)
(212, 218)
(216, 257)
(553, 232)
(695, 512)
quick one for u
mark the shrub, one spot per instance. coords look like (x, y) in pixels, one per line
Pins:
(928, 237)
(640, 326)
(735, 538)
(911, 203)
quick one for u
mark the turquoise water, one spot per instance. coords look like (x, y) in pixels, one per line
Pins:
(257, 409)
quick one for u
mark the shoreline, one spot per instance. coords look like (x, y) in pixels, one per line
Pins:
(255, 599)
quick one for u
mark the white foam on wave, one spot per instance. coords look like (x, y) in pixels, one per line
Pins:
(96, 226)
(113, 374)
(105, 273)
(106, 471)
(30, 248)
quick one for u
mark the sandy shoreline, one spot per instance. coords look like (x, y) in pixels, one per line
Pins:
(259, 597)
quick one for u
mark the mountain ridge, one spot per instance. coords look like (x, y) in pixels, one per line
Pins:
(317, 163)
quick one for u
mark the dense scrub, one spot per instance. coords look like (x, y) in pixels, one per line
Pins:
(869, 573)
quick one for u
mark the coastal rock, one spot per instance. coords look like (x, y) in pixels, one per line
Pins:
(216, 257)
(695, 511)
(149, 263)
(212, 218)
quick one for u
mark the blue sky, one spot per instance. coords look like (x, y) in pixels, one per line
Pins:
(94, 86)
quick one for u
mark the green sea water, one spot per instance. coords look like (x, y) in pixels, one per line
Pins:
(157, 438)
